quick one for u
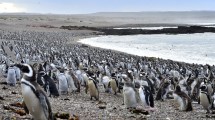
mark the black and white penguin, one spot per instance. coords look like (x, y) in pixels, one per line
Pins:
(40, 79)
(146, 97)
(35, 99)
(182, 99)
(93, 88)
(164, 89)
(204, 97)
(49, 84)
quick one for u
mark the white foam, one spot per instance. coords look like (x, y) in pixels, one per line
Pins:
(191, 48)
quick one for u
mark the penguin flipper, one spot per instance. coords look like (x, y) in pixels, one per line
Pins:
(209, 99)
(53, 88)
(150, 97)
(45, 104)
(86, 89)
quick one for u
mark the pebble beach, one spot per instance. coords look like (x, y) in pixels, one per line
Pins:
(45, 30)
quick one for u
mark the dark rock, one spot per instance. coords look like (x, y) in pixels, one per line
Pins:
(2, 98)
(102, 106)
(111, 31)
(139, 111)
(13, 92)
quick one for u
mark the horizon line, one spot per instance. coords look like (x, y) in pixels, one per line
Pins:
(105, 12)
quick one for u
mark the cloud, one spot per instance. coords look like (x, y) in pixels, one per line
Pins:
(10, 8)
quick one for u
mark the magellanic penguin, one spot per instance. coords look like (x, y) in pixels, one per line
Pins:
(146, 97)
(205, 99)
(129, 94)
(93, 88)
(35, 99)
(49, 86)
(182, 99)
(163, 90)
(113, 84)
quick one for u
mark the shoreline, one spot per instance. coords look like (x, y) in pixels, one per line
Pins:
(147, 57)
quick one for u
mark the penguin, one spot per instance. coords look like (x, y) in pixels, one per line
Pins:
(163, 90)
(40, 79)
(93, 88)
(129, 95)
(35, 100)
(76, 81)
(146, 97)
(151, 84)
(106, 80)
(182, 99)
(18, 73)
(70, 81)
(63, 84)
(204, 97)
(80, 75)
(113, 84)
(11, 76)
(142, 80)
(49, 84)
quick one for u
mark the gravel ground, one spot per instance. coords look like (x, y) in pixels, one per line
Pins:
(109, 107)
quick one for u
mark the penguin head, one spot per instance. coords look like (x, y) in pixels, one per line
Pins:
(41, 70)
(26, 69)
(113, 75)
(203, 87)
(178, 88)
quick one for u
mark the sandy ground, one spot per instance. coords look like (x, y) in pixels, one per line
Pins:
(80, 104)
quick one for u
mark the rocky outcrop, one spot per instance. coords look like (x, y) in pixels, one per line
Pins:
(178, 30)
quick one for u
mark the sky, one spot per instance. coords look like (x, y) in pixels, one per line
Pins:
(92, 6)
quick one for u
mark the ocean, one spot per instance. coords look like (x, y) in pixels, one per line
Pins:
(190, 48)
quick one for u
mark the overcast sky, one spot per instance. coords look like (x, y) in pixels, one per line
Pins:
(92, 6)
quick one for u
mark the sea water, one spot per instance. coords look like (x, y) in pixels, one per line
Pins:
(191, 48)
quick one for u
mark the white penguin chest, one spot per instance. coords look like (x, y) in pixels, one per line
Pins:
(142, 96)
(92, 89)
(32, 102)
(204, 100)
(29, 97)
